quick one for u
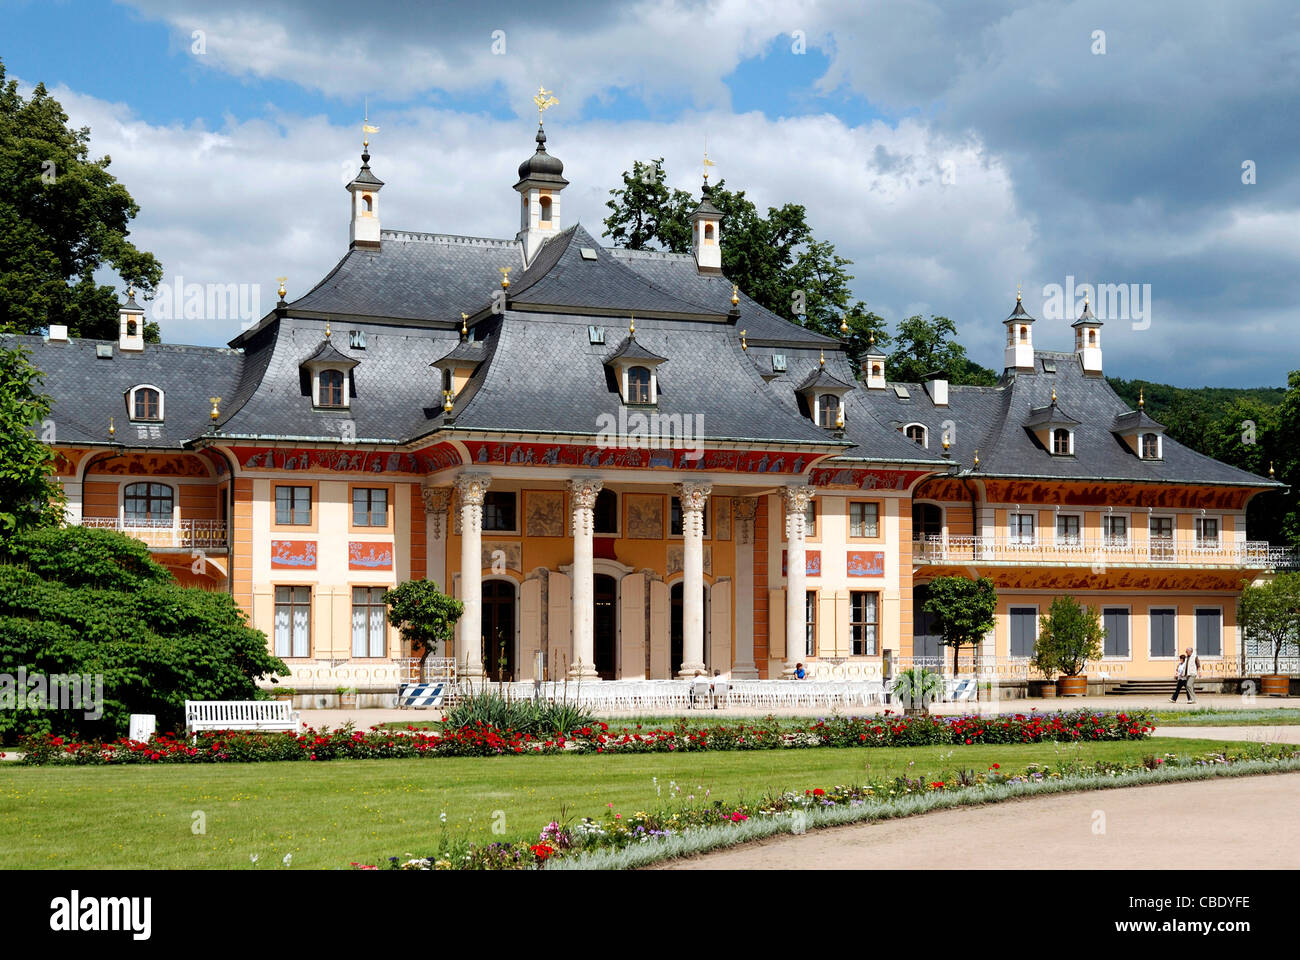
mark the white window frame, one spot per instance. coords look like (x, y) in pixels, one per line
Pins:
(1051, 441)
(1218, 536)
(876, 624)
(383, 627)
(627, 387)
(173, 524)
(1128, 609)
(1015, 536)
(1160, 445)
(1177, 643)
(1223, 640)
(130, 403)
(1056, 530)
(1171, 540)
(925, 433)
(875, 504)
(1107, 537)
(315, 388)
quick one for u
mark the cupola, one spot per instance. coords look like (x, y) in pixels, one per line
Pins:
(706, 233)
(541, 179)
(1087, 341)
(130, 324)
(364, 190)
(1020, 338)
(873, 365)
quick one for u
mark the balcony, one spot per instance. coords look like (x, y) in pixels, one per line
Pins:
(1103, 551)
(167, 534)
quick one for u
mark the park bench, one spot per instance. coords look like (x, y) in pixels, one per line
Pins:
(241, 715)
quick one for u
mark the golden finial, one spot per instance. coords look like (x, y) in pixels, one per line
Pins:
(844, 324)
(1017, 293)
(1270, 469)
(1053, 396)
(112, 429)
(631, 325)
(839, 417)
(130, 291)
(823, 358)
(544, 102)
(946, 444)
(464, 328)
(282, 281)
(446, 402)
(744, 344)
(871, 340)
(1142, 400)
(735, 294)
(977, 458)
(327, 329)
(215, 414)
(505, 277)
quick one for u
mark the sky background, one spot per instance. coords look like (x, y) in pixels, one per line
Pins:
(951, 151)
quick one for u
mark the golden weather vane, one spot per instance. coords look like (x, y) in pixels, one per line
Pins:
(366, 126)
(707, 163)
(544, 102)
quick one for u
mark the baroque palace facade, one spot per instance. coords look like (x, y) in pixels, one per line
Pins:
(626, 468)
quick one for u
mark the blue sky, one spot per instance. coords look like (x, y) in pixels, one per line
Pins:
(951, 151)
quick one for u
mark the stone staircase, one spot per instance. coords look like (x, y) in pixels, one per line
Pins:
(1144, 688)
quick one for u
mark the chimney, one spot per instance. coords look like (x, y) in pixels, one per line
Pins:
(58, 333)
(936, 385)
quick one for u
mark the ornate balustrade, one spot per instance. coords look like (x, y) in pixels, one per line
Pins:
(167, 534)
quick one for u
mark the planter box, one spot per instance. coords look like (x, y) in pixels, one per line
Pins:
(1042, 688)
(1072, 686)
(1275, 685)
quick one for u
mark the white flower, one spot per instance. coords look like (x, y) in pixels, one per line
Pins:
(252, 857)
(288, 859)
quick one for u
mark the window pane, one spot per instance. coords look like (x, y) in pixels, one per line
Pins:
(1115, 623)
(359, 622)
(1024, 620)
(864, 520)
(1208, 633)
(810, 620)
(863, 613)
(499, 511)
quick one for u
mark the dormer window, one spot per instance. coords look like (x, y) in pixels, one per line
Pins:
(145, 403)
(330, 392)
(916, 433)
(638, 385)
(1151, 446)
(828, 406)
(1062, 442)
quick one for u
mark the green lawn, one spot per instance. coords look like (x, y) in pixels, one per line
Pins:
(1211, 717)
(329, 814)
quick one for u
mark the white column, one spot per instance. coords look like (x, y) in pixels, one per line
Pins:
(471, 489)
(582, 502)
(436, 501)
(693, 497)
(744, 510)
(796, 566)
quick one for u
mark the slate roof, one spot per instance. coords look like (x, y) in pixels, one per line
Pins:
(993, 420)
(86, 389)
(629, 349)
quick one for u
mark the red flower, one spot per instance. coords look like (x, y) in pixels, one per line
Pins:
(819, 792)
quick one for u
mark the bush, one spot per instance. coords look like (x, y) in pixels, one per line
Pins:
(540, 718)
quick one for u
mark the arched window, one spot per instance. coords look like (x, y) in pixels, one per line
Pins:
(1060, 441)
(638, 385)
(148, 503)
(708, 231)
(331, 388)
(1150, 446)
(875, 369)
(131, 328)
(369, 202)
(1024, 334)
(916, 433)
(606, 512)
(828, 406)
(545, 203)
(146, 404)
(1092, 336)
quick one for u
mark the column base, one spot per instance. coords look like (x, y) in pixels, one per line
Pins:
(745, 671)
(689, 670)
(787, 672)
(584, 671)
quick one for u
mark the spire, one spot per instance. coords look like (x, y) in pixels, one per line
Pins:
(1142, 400)
(364, 188)
(541, 179)
(1019, 353)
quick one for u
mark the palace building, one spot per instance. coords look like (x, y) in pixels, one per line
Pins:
(627, 468)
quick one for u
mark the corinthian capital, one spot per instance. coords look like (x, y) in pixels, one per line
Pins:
(583, 492)
(693, 495)
(472, 487)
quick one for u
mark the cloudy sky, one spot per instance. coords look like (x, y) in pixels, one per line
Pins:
(951, 150)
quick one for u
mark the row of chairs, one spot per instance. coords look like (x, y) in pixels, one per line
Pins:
(670, 695)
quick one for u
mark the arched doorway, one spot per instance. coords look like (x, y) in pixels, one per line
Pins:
(677, 632)
(499, 629)
(925, 626)
(606, 626)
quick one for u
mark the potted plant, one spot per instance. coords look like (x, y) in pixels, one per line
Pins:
(1069, 635)
(1271, 612)
(916, 688)
(285, 693)
(347, 697)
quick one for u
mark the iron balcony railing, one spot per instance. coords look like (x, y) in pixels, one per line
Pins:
(167, 534)
(1102, 551)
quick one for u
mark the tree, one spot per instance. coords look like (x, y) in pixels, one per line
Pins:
(966, 610)
(30, 493)
(1271, 612)
(63, 216)
(925, 346)
(424, 615)
(93, 604)
(646, 212)
(1069, 635)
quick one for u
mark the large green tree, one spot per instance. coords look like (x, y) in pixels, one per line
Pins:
(30, 493)
(63, 217)
(93, 603)
(424, 615)
(928, 346)
(774, 258)
(965, 610)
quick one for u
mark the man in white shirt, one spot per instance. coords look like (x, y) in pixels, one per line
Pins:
(1187, 667)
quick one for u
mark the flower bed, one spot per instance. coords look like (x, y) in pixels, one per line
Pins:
(683, 829)
(883, 730)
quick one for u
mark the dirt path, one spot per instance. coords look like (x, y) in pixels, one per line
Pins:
(1241, 822)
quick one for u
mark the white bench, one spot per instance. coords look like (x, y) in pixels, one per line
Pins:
(241, 715)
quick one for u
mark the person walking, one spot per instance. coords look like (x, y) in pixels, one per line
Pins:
(1186, 675)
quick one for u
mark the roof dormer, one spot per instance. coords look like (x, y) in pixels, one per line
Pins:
(635, 370)
(458, 366)
(330, 374)
(1142, 435)
(144, 403)
(1053, 428)
(824, 394)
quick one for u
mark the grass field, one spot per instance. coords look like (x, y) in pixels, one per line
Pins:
(329, 814)
(1210, 717)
